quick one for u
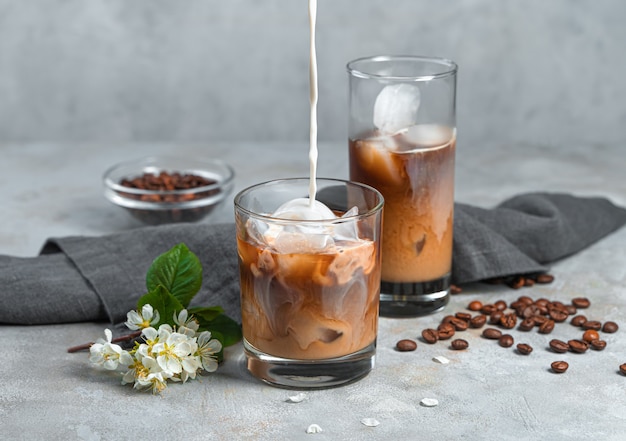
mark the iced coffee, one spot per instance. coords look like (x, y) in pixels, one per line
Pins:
(310, 280)
(402, 142)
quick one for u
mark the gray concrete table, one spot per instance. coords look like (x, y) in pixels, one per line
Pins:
(485, 392)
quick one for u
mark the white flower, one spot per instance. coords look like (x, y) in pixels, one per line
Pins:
(187, 324)
(207, 351)
(108, 355)
(171, 350)
(141, 320)
(151, 376)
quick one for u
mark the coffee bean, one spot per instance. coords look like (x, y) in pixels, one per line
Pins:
(475, 305)
(459, 344)
(447, 319)
(571, 309)
(546, 327)
(578, 346)
(592, 324)
(540, 319)
(597, 345)
(516, 283)
(590, 335)
(525, 300)
(527, 324)
(542, 302)
(581, 302)
(492, 333)
(495, 317)
(578, 320)
(463, 316)
(508, 321)
(500, 305)
(445, 331)
(558, 315)
(506, 341)
(524, 348)
(531, 311)
(559, 366)
(610, 327)
(430, 335)
(559, 346)
(478, 321)
(487, 309)
(544, 278)
(459, 325)
(406, 345)
(622, 368)
(454, 289)
(528, 281)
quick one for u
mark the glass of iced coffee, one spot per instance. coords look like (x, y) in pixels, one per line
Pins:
(310, 280)
(402, 130)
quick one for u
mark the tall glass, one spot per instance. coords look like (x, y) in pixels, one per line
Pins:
(402, 140)
(309, 288)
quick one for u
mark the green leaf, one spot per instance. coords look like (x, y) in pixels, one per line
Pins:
(177, 270)
(163, 301)
(223, 328)
(206, 313)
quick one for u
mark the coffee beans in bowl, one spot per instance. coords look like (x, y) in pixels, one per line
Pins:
(160, 190)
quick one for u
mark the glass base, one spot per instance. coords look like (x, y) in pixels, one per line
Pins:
(414, 299)
(309, 374)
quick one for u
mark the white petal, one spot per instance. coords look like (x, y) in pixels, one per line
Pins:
(149, 334)
(109, 335)
(429, 402)
(441, 359)
(147, 311)
(298, 398)
(370, 422)
(314, 428)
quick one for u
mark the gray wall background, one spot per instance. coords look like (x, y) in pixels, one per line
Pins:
(533, 71)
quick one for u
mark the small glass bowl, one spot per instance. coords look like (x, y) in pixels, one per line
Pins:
(155, 207)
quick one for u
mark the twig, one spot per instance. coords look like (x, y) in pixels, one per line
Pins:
(123, 338)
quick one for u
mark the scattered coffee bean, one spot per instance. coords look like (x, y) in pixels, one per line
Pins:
(459, 325)
(592, 324)
(527, 324)
(487, 309)
(500, 305)
(531, 311)
(516, 283)
(559, 346)
(495, 317)
(455, 289)
(478, 321)
(589, 335)
(506, 341)
(430, 336)
(447, 319)
(597, 345)
(528, 281)
(459, 344)
(610, 327)
(492, 333)
(525, 300)
(508, 321)
(546, 327)
(475, 305)
(571, 309)
(540, 319)
(544, 278)
(578, 346)
(524, 348)
(581, 302)
(558, 315)
(559, 366)
(463, 316)
(406, 345)
(622, 368)
(578, 320)
(445, 331)
(542, 302)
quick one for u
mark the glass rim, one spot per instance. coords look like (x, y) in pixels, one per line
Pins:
(377, 208)
(451, 67)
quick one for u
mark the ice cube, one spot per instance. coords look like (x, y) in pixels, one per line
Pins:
(396, 108)
(291, 240)
(302, 209)
(347, 230)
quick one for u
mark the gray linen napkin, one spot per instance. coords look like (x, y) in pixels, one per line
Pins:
(100, 278)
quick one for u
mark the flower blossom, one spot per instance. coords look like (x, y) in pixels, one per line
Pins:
(207, 351)
(186, 323)
(109, 355)
(144, 319)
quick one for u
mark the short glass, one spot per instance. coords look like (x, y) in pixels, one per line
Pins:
(309, 288)
(402, 141)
